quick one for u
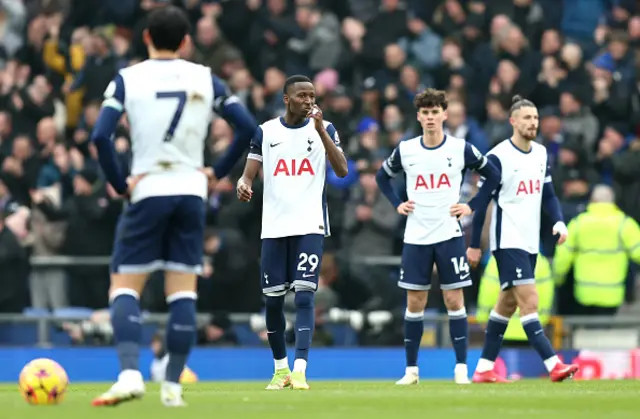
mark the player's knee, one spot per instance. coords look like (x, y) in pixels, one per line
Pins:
(416, 300)
(453, 299)
(304, 299)
(507, 304)
(527, 299)
(133, 282)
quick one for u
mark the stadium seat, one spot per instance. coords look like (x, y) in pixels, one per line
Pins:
(36, 312)
(78, 313)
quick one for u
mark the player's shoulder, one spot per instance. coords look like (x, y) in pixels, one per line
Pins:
(271, 126)
(455, 142)
(409, 143)
(327, 124)
(538, 149)
(502, 149)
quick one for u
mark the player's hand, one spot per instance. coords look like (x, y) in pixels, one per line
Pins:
(406, 208)
(132, 182)
(316, 114)
(211, 176)
(474, 256)
(560, 229)
(460, 210)
(243, 189)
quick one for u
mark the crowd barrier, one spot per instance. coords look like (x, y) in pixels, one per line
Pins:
(387, 364)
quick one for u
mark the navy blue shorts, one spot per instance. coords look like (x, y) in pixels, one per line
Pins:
(515, 267)
(449, 257)
(291, 262)
(160, 232)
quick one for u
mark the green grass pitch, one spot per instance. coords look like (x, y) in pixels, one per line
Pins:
(529, 399)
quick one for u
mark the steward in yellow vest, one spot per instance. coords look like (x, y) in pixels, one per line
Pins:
(601, 241)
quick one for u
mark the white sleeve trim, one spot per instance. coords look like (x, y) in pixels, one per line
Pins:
(254, 156)
(387, 169)
(484, 162)
(113, 103)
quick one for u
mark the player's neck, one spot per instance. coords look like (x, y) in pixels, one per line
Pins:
(163, 54)
(292, 119)
(433, 140)
(521, 143)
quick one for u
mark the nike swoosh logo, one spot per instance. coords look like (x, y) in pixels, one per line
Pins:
(273, 145)
(307, 275)
(464, 276)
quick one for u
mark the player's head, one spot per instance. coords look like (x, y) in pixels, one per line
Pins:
(523, 116)
(431, 105)
(168, 29)
(299, 95)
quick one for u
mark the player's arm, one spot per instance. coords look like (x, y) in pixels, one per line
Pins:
(335, 155)
(486, 189)
(551, 206)
(103, 133)
(474, 160)
(229, 107)
(251, 167)
(390, 169)
(550, 202)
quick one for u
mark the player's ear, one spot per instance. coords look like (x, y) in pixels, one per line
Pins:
(146, 38)
(285, 99)
(186, 43)
(445, 115)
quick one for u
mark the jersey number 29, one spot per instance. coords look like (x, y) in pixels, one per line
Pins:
(181, 96)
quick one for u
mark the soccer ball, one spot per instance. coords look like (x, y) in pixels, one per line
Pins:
(43, 382)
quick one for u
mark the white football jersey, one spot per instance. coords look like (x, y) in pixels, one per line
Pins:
(294, 165)
(515, 221)
(434, 177)
(169, 105)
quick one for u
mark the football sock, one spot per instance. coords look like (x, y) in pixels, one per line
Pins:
(305, 322)
(537, 339)
(127, 327)
(494, 333)
(458, 331)
(276, 325)
(413, 329)
(181, 332)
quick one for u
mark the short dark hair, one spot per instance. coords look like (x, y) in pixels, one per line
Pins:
(518, 102)
(297, 78)
(431, 98)
(167, 27)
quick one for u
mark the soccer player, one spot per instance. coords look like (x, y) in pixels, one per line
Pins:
(524, 187)
(169, 103)
(434, 164)
(293, 151)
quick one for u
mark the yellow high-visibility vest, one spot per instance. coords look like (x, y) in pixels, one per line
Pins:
(601, 241)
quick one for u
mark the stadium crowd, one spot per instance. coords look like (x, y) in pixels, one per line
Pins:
(576, 59)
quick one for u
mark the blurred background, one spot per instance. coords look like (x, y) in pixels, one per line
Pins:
(578, 60)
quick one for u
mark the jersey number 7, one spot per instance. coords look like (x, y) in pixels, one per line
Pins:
(182, 99)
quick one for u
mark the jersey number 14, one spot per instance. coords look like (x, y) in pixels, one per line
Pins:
(181, 96)
(460, 265)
